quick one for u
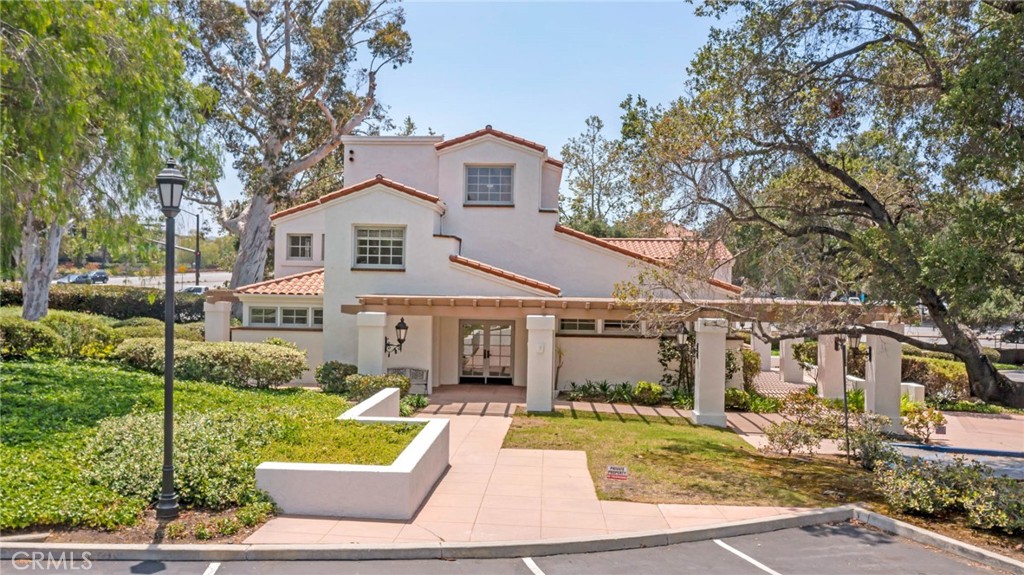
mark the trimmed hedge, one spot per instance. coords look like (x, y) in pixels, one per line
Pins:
(331, 376)
(83, 335)
(20, 338)
(943, 380)
(120, 302)
(239, 364)
(360, 387)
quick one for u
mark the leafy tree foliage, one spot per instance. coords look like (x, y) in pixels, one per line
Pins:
(866, 146)
(294, 77)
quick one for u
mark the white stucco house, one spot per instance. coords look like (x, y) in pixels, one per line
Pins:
(460, 237)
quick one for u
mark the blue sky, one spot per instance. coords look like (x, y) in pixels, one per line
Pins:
(535, 69)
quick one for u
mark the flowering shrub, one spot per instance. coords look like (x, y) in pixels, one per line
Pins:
(361, 387)
(647, 393)
(82, 334)
(921, 421)
(20, 338)
(331, 375)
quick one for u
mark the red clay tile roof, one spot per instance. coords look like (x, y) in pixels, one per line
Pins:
(648, 257)
(666, 249)
(305, 283)
(357, 188)
(505, 274)
(490, 131)
(554, 162)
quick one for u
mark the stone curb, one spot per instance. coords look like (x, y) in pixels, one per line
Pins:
(488, 550)
(932, 539)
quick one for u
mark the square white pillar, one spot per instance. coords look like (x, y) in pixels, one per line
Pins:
(709, 392)
(883, 375)
(789, 368)
(763, 349)
(830, 368)
(370, 331)
(540, 362)
(217, 324)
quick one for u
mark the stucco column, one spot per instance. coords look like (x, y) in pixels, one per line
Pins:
(540, 362)
(789, 368)
(370, 328)
(709, 392)
(883, 375)
(763, 349)
(218, 320)
(830, 368)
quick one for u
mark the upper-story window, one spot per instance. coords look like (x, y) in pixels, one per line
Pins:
(300, 246)
(380, 248)
(489, 185)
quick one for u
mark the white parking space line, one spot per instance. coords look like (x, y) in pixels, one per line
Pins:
(212, 569)
(532, 566)
(746, 557)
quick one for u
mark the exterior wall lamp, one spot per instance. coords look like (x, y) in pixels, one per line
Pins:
(401, 330)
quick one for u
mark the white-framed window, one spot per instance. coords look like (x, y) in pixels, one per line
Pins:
(380, 247)
(318, 316)
(489, 185)
(300, 246)
(577, 325)
(295, 316)
(263, 316)
(618, 326)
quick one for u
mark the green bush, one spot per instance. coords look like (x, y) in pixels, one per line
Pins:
(411, 404)
(943, 380)
(921, 421)
(239, 364)
(83, 335)
(806, 353)
(751, 368)
(181, 331)
(681, 399)
(254, 513)
(868, 440)
(998, 503)
(20, 338)
(621, 393)
(789, 436)
(737, 399)
(361, 387)
(215, 456)
(647, 393)
(281, 342)
(331, 375)
(121, 302)
(930, 487)
(909, 350)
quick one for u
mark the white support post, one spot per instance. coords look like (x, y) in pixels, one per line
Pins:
(709, 392)
(540, 362)
(763, 349)
(883, 375)
(218, 320)
(789, 368)
(370, 358)
(830, 368)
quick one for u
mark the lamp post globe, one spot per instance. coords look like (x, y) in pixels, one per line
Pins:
(170, 185)
(401, 330)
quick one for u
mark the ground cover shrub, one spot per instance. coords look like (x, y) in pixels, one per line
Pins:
(854, 401)
(997, 503)
(281, 342)
(20, 338)
(621, 393)
(239, 364)
(331, 375)
(216, 454)
(681, 399)
(410, 404)
(867, 441)
(83, 335)
(328, 440)
(647, 393)
(763, 404)
(361, 386)
(182, 332)
(737, 399)
(921, 421)
(943, 380)
(934, 488)
(121, 302)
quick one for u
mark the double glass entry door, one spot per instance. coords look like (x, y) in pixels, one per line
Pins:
(486, 352)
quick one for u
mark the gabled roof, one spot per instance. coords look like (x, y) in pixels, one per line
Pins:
(381, 180)
(627, 251)
(305, 283)
(667, 249)
(489, 131)
(505, 274)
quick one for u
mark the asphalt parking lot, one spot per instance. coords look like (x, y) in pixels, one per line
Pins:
(831, 549)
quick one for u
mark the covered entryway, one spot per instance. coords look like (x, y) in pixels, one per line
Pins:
(486, 352)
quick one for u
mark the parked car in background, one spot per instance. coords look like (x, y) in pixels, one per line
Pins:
(74, 279)
(195, 290)
(99, 277)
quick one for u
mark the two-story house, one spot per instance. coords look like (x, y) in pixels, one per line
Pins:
(460, 239)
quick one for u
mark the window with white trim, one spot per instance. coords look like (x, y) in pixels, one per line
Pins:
(616, 326)
(300, 246)
(263, 316)
(380, 247)
(577, 326)
(318, 316)
(295, 316)
(489, 185)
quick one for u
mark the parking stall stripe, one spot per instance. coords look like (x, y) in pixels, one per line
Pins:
(532, 566)
(212, 569)
(746, 558)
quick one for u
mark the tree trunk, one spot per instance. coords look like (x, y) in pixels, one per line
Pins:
(40, 248)
(986, 382)
(251, 260)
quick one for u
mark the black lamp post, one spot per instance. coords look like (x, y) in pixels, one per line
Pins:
(401, 330)
(170, 184)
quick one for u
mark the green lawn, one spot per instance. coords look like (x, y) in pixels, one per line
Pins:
(50, 411)
(673, 461)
